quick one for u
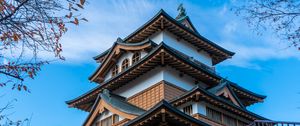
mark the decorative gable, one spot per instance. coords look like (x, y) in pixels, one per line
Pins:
(226, 94)
(109, 105)
(187, 23)
(116, 51)
(224, 91)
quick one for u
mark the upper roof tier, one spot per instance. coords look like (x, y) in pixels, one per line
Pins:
(181, 27)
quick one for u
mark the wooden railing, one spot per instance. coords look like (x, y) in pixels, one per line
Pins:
(204, 66)
(273, 123)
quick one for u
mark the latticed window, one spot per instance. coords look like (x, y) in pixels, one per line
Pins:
(107, 121)
(223, 118)
(229, 121)
(115, 70)
(188, 110)
(214, 115)
(125, 64)
(136, 57)
(116, 119)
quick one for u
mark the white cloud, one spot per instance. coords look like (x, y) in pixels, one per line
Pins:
(246, 56)
(110, 19)
(107, 21)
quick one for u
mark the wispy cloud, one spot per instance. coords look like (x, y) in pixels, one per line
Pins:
(236, 36)
(109, 19)
(246, 56)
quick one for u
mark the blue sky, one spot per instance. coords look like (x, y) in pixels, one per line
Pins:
(261, 64)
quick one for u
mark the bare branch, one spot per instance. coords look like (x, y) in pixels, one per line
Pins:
(280, 16)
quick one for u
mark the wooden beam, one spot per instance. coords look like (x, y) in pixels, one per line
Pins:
(162, 58)
(162, 24)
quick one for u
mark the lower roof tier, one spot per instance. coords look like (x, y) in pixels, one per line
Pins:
(170, 112)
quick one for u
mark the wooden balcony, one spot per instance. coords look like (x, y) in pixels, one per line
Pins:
(273, 123)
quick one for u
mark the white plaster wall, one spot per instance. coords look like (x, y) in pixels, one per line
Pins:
(157, 37)
(143, 54)
(139, 84)
(198, 107)
(186, 48)
(201, 108)
(182, 45)
(171, 75)
(127, 55)
(108, 75)
(154, 76)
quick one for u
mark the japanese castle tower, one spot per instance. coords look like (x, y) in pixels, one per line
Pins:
(163, 74)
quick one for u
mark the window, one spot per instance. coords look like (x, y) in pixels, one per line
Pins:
(116, 119)
(229, 121)
(188, 110)
(106, 122)
(115, 70)
(125, 64)
(214, 115)
(109, 121)
(136, 57)
(223, 118)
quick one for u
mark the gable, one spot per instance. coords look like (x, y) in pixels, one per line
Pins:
(117, 50)
(103, 110)
(108, 104)
(185, 21)
(224, 91)
(226, 94)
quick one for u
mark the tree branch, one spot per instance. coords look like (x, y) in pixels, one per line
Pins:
(8, 74)
(14, 11)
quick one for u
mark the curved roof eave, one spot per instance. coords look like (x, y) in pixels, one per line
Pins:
(120, 43)
(162, 12)
(197, 88)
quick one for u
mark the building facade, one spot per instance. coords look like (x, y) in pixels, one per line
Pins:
(163, 74)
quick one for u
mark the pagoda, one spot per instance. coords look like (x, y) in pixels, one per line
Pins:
(163, 74)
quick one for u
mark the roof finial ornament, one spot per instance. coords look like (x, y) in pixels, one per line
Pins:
(106, 92)
(181, 11)
(223, 80)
